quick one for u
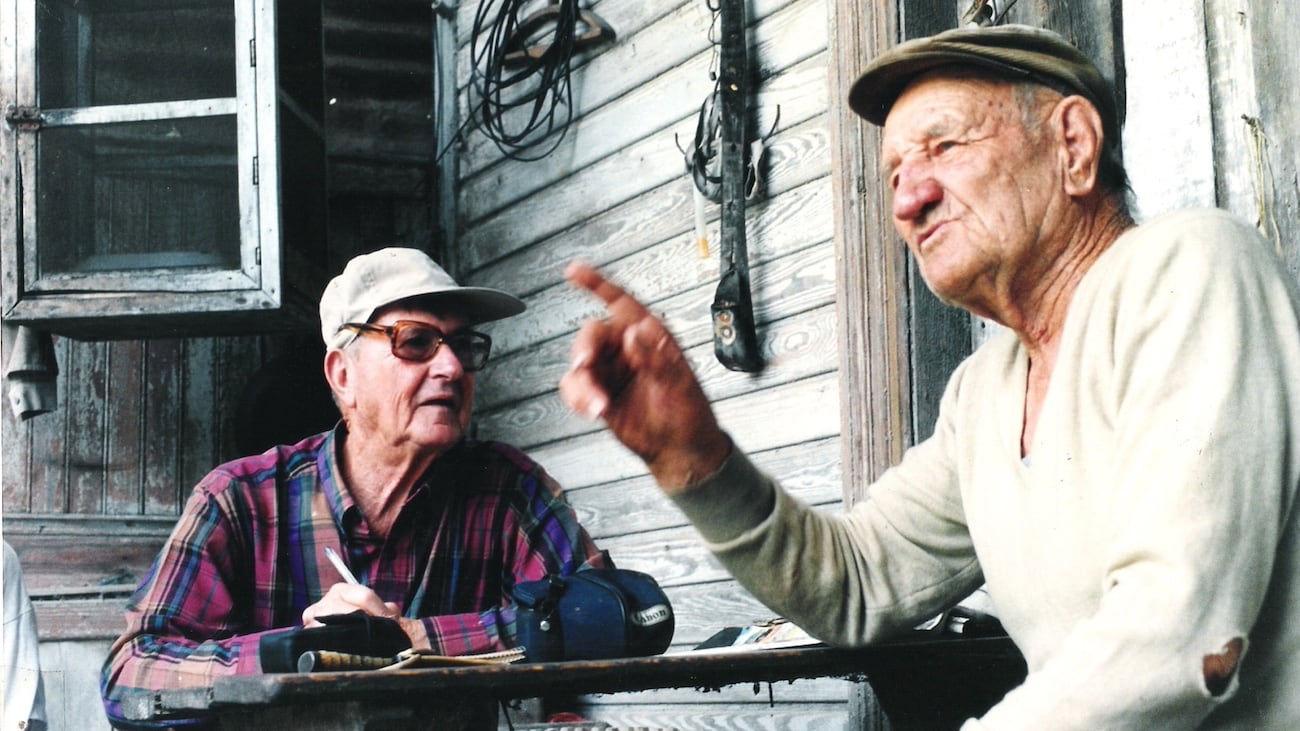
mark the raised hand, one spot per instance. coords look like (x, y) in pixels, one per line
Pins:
(630, 371)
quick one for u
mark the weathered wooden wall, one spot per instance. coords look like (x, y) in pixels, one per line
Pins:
(1214, 109)
(1212, 96)
(617, 194)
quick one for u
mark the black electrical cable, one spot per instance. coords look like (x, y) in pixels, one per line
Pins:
(508, 75)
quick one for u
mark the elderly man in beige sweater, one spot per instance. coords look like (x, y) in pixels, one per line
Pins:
(1119, 467)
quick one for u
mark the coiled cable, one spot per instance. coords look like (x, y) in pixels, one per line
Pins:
(510, 74)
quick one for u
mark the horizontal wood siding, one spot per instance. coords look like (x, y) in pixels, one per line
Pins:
(616, 193)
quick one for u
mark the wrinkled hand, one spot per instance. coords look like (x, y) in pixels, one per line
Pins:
(630, 371)
(348, 598)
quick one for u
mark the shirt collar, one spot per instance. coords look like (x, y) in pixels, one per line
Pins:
(331, 481)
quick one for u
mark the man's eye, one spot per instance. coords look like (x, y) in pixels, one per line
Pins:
(417, 339)
(944, 146)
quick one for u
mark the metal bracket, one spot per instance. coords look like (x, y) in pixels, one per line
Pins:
(24, 119)
(986, 12)
(446, 9)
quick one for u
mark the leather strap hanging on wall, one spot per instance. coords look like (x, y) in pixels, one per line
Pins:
(734, 341)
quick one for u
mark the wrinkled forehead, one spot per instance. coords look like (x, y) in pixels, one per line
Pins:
(938, 105)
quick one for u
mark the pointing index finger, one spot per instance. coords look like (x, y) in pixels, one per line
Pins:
(619, 303)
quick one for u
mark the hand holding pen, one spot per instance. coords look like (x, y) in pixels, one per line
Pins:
(352, 596)
(348, 596)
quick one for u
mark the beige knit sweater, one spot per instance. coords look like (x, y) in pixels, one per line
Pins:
(1152, 523)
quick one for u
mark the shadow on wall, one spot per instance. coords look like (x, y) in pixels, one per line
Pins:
(285, 400)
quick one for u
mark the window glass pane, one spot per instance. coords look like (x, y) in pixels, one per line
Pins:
(153, 194)
(134, 51)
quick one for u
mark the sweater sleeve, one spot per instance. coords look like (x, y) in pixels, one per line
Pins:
(899, 556)
(1198, 361)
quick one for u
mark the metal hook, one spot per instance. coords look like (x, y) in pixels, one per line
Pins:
(986, 12)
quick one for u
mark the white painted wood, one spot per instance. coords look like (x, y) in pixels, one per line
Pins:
(1169, 135)
(1234, 87)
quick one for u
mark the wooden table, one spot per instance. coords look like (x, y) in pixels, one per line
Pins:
(921, 683)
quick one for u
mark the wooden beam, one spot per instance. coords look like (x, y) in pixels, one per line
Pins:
(875, 413)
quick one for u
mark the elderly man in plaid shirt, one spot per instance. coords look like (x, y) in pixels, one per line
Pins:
(436, 527)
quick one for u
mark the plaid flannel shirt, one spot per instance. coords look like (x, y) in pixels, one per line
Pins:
(247, 557)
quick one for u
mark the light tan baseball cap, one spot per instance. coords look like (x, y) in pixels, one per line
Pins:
(1007, 51)
(384, 277)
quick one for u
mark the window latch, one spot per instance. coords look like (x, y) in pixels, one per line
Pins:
(24, 119)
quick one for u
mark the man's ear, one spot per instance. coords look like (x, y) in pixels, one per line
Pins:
(337, 374)
(1080, 130)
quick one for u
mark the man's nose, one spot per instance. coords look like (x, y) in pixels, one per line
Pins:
(915, 192)
(445, 363)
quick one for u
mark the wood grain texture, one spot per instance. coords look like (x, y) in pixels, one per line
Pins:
(616, 193)
(871, 277)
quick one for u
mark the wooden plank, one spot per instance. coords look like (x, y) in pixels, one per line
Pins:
(783, 693)
(198, 450)
(47, 469)
(871, 280)
(86, 427)
(700, 610)
(940, 334)
(70, 671)
(124, 435)
(1254, 126)
(795, 159)
(241, 357)
(676, 556)
(785, 717)
(162, 491)
(516, 372)
(646, 50)
(612, 69)
(613, 180)
(66, 552)
(1274, 141)
(15, 442)
(413, 687)
(80, 620)
(794, 348)
(808, 412)
(677, 284)
(1168, 78)
(632, 516)
(789, 286)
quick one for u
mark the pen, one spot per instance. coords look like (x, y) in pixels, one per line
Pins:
(342, 567)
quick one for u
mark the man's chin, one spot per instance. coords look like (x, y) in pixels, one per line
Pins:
(946, 288)
(441, 435)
